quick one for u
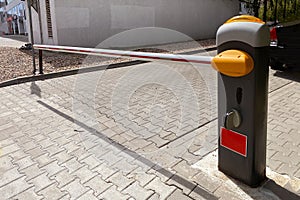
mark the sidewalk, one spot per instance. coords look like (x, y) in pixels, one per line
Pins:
(135, 133)
(15, 41)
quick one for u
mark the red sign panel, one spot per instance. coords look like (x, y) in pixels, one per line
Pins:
(234, 141)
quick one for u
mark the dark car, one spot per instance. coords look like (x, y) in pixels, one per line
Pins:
(285, 46)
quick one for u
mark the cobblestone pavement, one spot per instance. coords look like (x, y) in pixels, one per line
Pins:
(140, 132)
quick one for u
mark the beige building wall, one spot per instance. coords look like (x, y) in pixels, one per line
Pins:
(87, 23)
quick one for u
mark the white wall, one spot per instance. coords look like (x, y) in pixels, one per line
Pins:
(35, 25)
(89, 22)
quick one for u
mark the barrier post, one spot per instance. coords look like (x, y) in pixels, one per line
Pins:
(243, 98)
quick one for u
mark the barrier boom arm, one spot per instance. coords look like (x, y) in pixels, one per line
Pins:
(128, 54)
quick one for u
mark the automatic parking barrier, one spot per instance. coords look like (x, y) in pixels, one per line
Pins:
(242, 65)
(243, 99)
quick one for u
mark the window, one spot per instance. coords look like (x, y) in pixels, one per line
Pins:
(49, 22)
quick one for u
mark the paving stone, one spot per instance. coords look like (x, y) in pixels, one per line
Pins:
(46, 143)
(75, 189)
(288, 169)
(5, 133)
(52, 192)
(57, 136)
(119, 139)
(129, 135)
(54, 149)
(40, 182)
(158, 141)
(270, 153)
(178, 195)
(15, 134)
(98, 185)
(164, 159)
(124, 166)
(5, 124)
(80, 153)
(43, 160)
(297, 174)
(9, 176)
(225, 193)
(199, 193)
(24, 162)
(62, 157)
(23, 140)
(91, 161)
(14, 188)
(137, 143)
(161, 188)
(162, 173)
(105, 171)
(89, 143)
(62, 141)
(88, 196)
(9, 149)
(6, 142)
(5, 164)
(185, 169)
(294, 158)
(117, 129)
(84, 174)
(32, 172)
(141, 176)
(109, 158)
(155, 196)
(137, 192)
(72, 165)
(52, 168)
(151, 148)
(110, 123)
(71, 147)
(113, 192)
(35, 152)
(128, 155)
(28, 145)
(120, 180)
(27, 195)
(185, 185)
(210, 183)
(63, 178)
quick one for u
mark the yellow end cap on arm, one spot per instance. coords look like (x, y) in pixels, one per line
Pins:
(245, 18)
(234, 63)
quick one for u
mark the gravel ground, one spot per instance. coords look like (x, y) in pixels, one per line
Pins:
(17, 63)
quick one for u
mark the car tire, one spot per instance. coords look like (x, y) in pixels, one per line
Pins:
(276, 65)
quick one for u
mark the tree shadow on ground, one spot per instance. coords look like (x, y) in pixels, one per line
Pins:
(35, 89)
(293, 74)
(269, 189)
(279, 191)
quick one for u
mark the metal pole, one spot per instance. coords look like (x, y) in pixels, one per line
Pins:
(31, 36)
(42, 39)
(41, 71)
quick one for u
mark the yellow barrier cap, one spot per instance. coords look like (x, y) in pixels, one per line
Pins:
(245, 18)
(233, 63)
